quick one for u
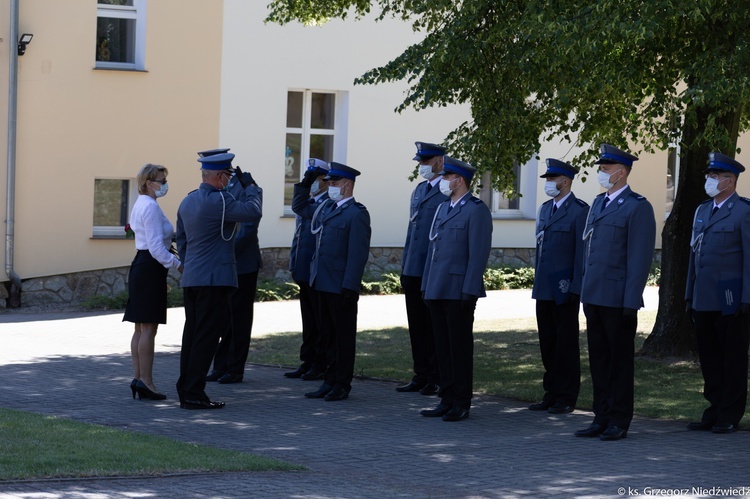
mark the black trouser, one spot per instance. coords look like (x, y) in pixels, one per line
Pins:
(207, 315)
(420, 332)
(231, 355)
(611, 337)
(722, 350)
(312, 352)
(453, 325)
(339, 326)
(561, 356)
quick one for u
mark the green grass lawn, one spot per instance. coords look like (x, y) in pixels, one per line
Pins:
(507, 363)
(37, 446)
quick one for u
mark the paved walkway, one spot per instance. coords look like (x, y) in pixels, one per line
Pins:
(373, 445)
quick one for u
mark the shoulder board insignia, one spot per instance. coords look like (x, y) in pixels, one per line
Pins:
(637, 196)
(709, 200)
(582, 202)
(746, 200)
(477, 200)
(360, 206)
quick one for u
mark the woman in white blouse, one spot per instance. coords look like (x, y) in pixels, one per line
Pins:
(147, 280)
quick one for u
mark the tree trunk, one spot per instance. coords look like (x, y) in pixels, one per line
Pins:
(673, 334)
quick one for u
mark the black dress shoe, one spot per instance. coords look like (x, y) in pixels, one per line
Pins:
(214, 375)
(438, 412)
(412, 386)
(594, 430)
(429, 389)
(338, 393)
(298, 373)
(555, 409)
(313, 374)
(456, 414)
(700, 426)
(613, 433)
(540, 406)
(723, 428)
(229, 378)
(201, 404)
(320, 392)
(145, 393)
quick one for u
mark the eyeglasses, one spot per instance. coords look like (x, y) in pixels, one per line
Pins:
(162, 181)
(716, 176)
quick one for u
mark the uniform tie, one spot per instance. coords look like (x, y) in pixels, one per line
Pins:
(429, 186)
(713, 211)
(606, 202)
(554, 208)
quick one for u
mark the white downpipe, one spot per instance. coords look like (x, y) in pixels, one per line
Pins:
(10, 207)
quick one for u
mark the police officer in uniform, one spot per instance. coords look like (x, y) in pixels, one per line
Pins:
(718, 293)
(460, 242)
(206, 222)
(231, 354)
(343, 234)
(311, 352)
(620, 233)
(557, 287)
(424, 201)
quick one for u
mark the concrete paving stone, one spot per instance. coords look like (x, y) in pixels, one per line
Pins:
(374, 444)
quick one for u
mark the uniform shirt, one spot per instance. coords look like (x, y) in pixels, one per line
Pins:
(559, 249)
(460, 243)
(246, 245)
(719, 272)
(206, 222)
(153, 231)
(422, 208)
(303, 244)
(342, 247)
(619, 251)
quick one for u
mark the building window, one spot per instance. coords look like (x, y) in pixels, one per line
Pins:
(315, 128)
(113, 199)
(120, 34)
(521, 206)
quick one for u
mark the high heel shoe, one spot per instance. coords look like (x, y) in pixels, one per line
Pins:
(132, 386)
(145, 392)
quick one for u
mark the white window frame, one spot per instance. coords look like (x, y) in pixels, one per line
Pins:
(339, 131)
(137, 12)
(527, 183)
(116, 231)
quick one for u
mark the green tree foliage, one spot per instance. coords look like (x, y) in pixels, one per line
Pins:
(649, 73)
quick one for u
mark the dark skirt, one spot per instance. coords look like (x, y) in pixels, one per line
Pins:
(147, 290)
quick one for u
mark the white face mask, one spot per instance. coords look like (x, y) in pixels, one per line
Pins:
(712, 187)
(426, 172)
(550, 188)
(315, 187)
(163, 189)
(445, 186)
(334, 192)
(604, 179)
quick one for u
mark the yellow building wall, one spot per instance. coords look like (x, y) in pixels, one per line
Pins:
(77, 123)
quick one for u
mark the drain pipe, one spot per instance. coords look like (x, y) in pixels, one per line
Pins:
(14, 300)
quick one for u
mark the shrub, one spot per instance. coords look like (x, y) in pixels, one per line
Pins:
(273, 291)
(654, 275)
(389, 284)
(100, 302)
(508, 278)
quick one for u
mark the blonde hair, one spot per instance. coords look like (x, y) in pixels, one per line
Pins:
(146, 173)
